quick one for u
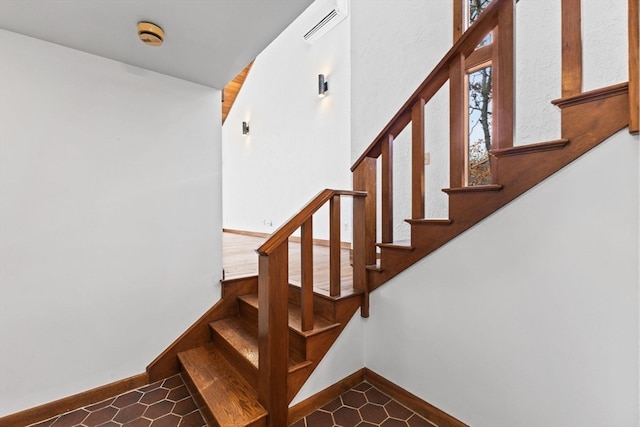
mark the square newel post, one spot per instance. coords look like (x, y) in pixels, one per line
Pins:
(364, 227)
(273, 335)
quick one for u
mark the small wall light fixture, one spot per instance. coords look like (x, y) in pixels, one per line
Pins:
(245, 128)
(323, 86)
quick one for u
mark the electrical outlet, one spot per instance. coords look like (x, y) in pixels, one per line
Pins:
(345, 226)
(427, 158)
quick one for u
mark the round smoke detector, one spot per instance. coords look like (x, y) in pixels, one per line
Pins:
(150, 33)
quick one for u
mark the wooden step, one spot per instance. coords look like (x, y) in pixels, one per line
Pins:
(299, 341)
(538, 147)
(238, 340)
(223, 395)
(434, 222)
(249, 308)
(404, 245)
(325, 305)
(474, 189)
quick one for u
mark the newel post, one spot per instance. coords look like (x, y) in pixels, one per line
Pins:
(364, 227)
(273, 336)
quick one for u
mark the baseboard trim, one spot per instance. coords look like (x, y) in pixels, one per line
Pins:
(70, 403)
(318, 400)
(411, 401)
(317, 242)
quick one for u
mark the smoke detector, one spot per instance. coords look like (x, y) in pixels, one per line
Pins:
(150, 33)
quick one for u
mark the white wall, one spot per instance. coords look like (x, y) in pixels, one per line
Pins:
(298, 143)
(537, 327)
(110, 245)
(345, 357)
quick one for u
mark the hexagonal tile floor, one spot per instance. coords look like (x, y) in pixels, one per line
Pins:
(165, 403)
(168, 403)
(363, 406)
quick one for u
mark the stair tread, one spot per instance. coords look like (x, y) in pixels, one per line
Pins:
(429, 221)
(474, 189)
(537, 147)
(243, 336)
(400, 244)
(320, 324)
(229, 397)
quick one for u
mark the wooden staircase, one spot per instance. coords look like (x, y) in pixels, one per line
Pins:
(248, 356)
(219, 355)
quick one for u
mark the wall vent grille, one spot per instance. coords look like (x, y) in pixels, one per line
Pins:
(327, 22)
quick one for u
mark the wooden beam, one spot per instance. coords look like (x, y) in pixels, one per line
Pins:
(571, 48)
(417, 160)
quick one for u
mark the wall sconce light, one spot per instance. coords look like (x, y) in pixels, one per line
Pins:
(323, 86)
(245, 128)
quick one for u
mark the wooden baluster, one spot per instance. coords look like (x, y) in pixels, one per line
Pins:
(634, 67)
(273, 335)
(334, 246)
(417, 159)
(502, 81)
(457, 122)
(571, 48)
(458, 20)
(359, 264)
(364, 227)
(387, 189)
(306, 291)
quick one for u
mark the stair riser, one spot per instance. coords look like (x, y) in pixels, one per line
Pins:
(321, 306)
(239, 362)
(297, 344)
(202, 406)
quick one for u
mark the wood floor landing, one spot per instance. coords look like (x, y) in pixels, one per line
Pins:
(239, 259)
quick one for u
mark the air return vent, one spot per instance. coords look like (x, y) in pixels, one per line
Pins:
(329, 15)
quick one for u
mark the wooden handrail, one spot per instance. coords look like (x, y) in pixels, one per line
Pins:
(273, 292)
(465, 45)
(283, 233)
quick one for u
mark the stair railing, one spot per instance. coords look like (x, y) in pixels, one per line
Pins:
(465, 55)
(273, 291)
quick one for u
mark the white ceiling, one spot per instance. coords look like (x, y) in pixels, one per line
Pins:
(206, 41)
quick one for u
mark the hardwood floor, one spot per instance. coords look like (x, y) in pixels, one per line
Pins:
(239, 259)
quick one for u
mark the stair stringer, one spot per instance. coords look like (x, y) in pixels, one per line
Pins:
(587, 120)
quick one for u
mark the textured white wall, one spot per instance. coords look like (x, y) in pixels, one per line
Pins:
(605, 43)
(299, 143)
(110, 218)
